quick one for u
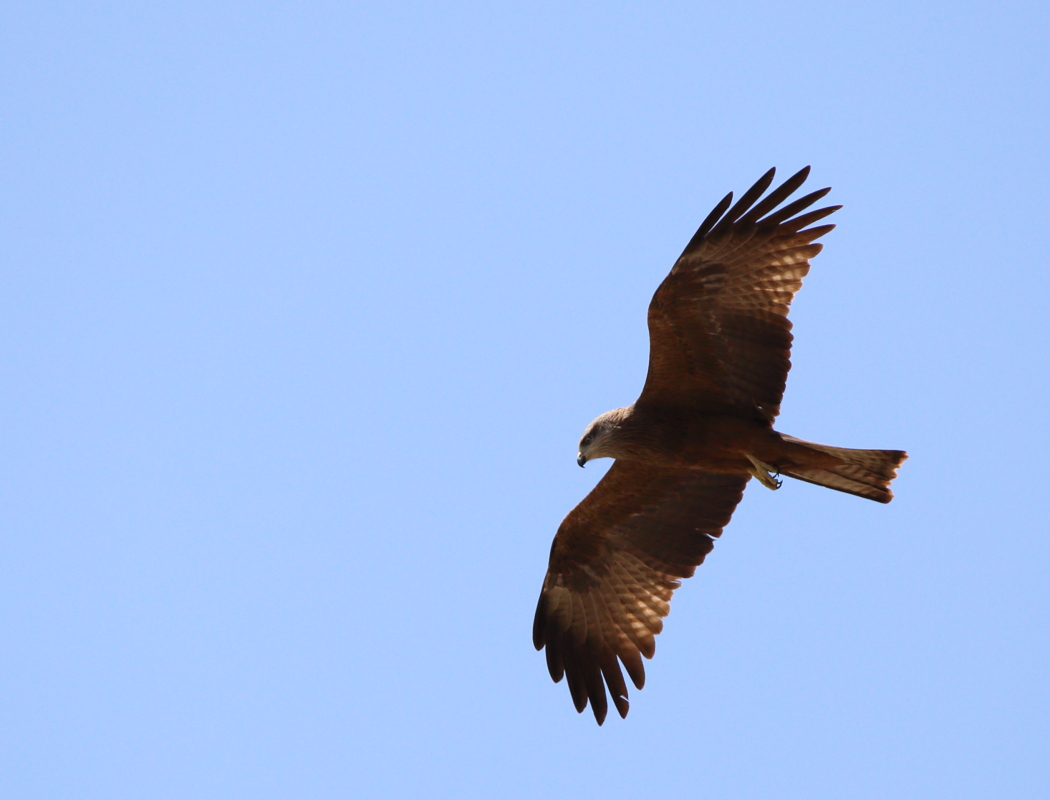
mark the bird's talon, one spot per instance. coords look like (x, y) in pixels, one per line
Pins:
(765, 473)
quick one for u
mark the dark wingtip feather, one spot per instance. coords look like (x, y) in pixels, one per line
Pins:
(575, 677)
(803, 220)
(812, 234)
(790, 210)
(777, 196)
(600, 707)
(632, 662)
(592, 678)
(708, 223)
(578, 691)
(539, 624)
(614, 679)
(555, 664)
(745, 201)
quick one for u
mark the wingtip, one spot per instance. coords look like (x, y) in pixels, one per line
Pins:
(539, 624)
(709, 222)
(599, 714)
(539, 637)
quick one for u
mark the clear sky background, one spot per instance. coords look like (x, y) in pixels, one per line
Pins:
(305, 306)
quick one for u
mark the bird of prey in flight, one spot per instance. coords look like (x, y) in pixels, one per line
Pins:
(719, 354)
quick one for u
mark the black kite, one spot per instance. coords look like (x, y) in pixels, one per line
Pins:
(720, 344)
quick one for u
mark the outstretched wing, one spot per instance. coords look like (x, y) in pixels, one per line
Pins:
(614, 563)
(719, 336)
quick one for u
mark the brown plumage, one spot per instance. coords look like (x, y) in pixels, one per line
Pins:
(720, 345)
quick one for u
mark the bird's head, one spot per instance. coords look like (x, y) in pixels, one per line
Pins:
(598, 440)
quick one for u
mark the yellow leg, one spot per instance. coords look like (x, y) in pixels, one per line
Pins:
(765, 473)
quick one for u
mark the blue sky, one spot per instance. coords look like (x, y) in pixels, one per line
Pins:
(305, 306)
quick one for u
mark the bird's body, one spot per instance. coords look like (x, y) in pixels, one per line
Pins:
(691, 439)
(703, 426)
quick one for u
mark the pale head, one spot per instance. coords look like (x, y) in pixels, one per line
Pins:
(599, 440)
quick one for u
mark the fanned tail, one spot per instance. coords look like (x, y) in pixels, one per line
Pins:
(864, 473)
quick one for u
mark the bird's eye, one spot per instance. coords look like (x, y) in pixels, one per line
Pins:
(587, 439)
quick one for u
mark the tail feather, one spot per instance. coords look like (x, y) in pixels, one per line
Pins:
(864, 473)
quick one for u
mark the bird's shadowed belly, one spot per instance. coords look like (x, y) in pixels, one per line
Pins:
(713, 442)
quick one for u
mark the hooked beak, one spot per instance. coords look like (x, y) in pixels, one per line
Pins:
(581, 459)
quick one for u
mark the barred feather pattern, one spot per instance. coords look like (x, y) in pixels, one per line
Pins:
(864, 473)
(615, 562)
